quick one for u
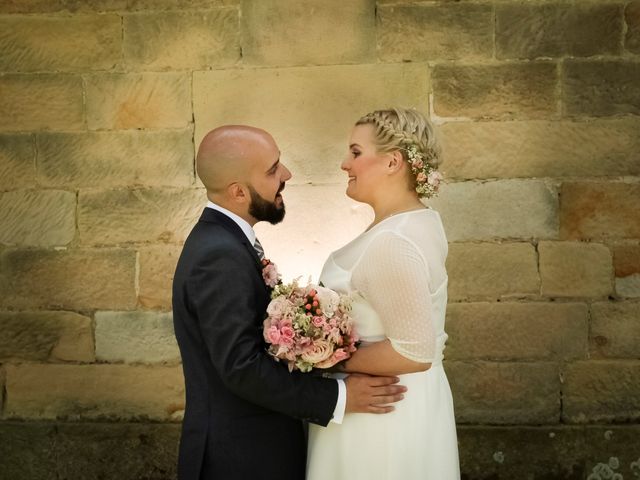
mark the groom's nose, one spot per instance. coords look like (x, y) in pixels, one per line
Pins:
(287, 174)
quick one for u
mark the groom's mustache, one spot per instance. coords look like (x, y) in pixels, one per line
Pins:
(281, 187)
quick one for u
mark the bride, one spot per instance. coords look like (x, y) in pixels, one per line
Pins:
(395, 271)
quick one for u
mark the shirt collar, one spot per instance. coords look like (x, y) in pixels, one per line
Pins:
(241, 222)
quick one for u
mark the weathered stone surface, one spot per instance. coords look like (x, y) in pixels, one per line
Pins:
(313, 139)
(93, 391)
(52, 43)
(615, 330)
(135, 337)
(557, 30)
(182, 40)
(632, 18)
(17, 161)
(448, 31)
(37, 218)
(74, 6)
(574, 269)
(110, 217)
(626, 262)
(606, 87)
(157, 266)
(298, 246)
(489, 270)
(515, 90)
(602, 148)
(505, 393)
(53, 336)
(281, 33)
(3, 379)
(116, 159)
(518, 209)
(516, 331)
(545, 453)
(599, 210)
(601, 391)
(72, 279)
(122, 101)
(40, 102)
(28, 451)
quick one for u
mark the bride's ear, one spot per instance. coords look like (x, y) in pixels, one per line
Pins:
(395, 161)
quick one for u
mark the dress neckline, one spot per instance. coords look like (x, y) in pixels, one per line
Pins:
(395, 215)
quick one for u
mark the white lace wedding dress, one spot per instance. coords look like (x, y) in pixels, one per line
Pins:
(396, 273)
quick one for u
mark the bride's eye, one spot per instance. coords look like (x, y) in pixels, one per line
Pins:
(355, 153)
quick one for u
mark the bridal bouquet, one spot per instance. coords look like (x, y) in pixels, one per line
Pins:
(309, 327)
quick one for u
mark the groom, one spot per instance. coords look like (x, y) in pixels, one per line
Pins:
(243, 410)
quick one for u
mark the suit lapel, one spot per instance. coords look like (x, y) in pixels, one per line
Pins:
(209, 215)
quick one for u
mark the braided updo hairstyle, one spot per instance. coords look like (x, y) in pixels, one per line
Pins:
(410, 132)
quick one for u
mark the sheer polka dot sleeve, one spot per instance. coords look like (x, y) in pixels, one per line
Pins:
(393, 277)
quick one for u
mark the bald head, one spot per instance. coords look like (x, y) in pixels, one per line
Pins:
(228, 153)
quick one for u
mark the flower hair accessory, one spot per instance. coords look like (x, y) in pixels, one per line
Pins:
(427, 177)
(270, 273)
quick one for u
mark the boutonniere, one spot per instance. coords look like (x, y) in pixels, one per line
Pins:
(270, 273)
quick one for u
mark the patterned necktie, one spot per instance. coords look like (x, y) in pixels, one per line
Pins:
(259, 250)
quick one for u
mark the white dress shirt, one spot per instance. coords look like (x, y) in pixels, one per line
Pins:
(341, 404)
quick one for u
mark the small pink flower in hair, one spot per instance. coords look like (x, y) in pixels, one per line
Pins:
(434, 178)
(421, 177)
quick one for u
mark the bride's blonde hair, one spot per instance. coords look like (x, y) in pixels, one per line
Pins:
(411, 133)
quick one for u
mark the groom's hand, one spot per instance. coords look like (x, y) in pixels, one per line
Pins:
(368, 394)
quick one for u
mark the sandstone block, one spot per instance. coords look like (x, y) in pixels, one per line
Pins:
(135, 451)
(574, 269)
(313, 139)
(40, 102)
(547, 452)
(28, 450)
(492, 270)
(557, 30)
(601, 392)
(515, 90)
(602, 88)
(52, 43)
(505, 393)
(615, 329)
(135, 337)
(37, 217)
(46, 336)
(123, 101)
(116, 159)
(300, 245)
(84, 6)
(516, 331)
(445, 31)
(157, 266)
(17, 161)
(93, 391)
(602, 148)
(108, 217)
(632, 18)
(505, 209)
(599, 210)
(72, 279)
(280, 33)
(182, 40)
(3, 379)
(626, 262)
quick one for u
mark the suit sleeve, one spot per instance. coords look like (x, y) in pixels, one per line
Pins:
(222, 293)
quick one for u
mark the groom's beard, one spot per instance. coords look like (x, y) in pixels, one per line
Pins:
(264, 210)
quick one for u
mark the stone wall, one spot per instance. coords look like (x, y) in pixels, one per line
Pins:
(538, 105)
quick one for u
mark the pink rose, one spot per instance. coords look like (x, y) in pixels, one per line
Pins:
(286, 335)
(421, 177)
(273, 335)
(434, 178)
(318, 351)
(417, 164)
(270, 275)
(317, 321)
(338, 356)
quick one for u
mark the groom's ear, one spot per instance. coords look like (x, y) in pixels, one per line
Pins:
(238, 193)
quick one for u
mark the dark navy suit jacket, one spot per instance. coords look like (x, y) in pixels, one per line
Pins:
(243, 410)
